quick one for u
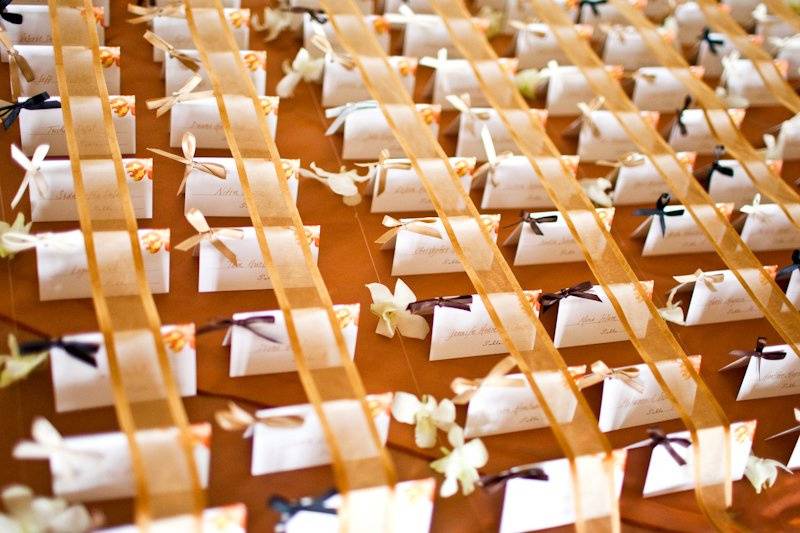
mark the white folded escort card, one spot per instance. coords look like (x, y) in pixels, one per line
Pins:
(771, 371)
(379, 25)
(224, 198)
(64, 274)
(671, 467)
(36, 29)
(767, 227)
(742, 11)
(788, 49)
(412, 506)
(226, 519)
(743, 80)
(46, 126)
(289, 438)
(696, 136)
(176, 74)
(366, 132)
(657, 89)
(512, 183)
(42, 61)
(217, 273)
(55, 199)
(633, 397)
(175, 30)
(78, 385)
(536, 45)
(727, 181)
(553, 498)
(712, 47)
(421, 246)
(459, 332)
(567, 87)
(637, 178)
(625, 46)
(260, 343)
(544, 238)
(690, 22)
(201, 118)
(396, 186)
(341, 84)
(716, 296)
(670, 229)
(596, 13)
(455, 76)
(788, 142)
(425, 35)
(603, 137)
(586, 316)
(471, 122)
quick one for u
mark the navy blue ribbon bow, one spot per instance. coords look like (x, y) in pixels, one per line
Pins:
(713, 42)
(317, 15)
(679, 115)
(592, 5)
(288, 508)
(759, 353)
(11, 18)
(658, 438)
(10, 112)
(82, 351)
(581, 290)
(246, 323)
(787, 270)
(659, 212)
(426, 307)
(716, 166)
(522, 472)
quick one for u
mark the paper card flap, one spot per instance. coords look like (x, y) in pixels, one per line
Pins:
(513, 238)
(640, 233)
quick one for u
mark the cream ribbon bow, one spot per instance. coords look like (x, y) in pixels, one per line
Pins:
(274, 22)
(586, 114)
(321, 43)
(383, 162)
(344, 183)
(15, 58)
(462, 103)
(629, 160)
(672, 311)
(48, 443)
(158, 42)
(340, 113)
(165, 103)
(17, 241)
(209, 234)
(302, 68)
(438, 63)
(189, 147)
(600, 371)
(466, 388)
(752, 210)
(237, 419)
(422, 226)
(146, 14)
(492, 158)
(33, 171)
(407, 14)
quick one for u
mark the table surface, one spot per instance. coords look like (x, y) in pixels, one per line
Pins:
(348, 260)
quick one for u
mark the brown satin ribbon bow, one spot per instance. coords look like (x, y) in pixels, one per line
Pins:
(658, 438)
(165, 103)
(548, 299)
(426, 307)
(189, 147)
(758, 353)
(246, 323)
(521, 472)
(600, 371)
(212, 235)
(158, 42)
(527, 217)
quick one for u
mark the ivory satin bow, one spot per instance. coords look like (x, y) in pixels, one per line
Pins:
(33, 171)
(753, 209)
(47, 443)
(211, 235)
(17, 241)
(600, 371)
(586, 115)
(165, 103)
(493, 160)
(237, 419)
(320, 41)
(189, 147)
(146, 14)
(17, 59)
(158, 42)
(421, 226)
(463, 104)
(466, 388)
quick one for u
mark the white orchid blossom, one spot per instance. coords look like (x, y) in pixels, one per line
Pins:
(460, 465)
(302, 68)
(762, 473)
(18, 226)
(15, 366)
(597, 191)
(426, 414)
(274, 22)
(391, 309)
(344, 183)
(26, 513)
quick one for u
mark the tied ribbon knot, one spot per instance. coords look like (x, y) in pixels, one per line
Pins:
(679, 116)
(189, 147)
(212, 235)
(426, 307)
(237, 419)
(165, 103)
(422, 226)
(10, 111)
(321, 43)
(658, 438)
(245, 323)
(340, 113)
(516, 472)
(586, 117)
(716, 166)
(787, 270)
(84, 352)
(160, 43)
(527, 217)
(11, 18)
(660, 212)
(463, 104)
(465, 388)
(759, 353)
(33, 171)
(288, 508)
(493, 160)
(146, 14)
(594, 5)
(317, 15)
(600, 371)
(581, 290)
(47, 443)
(713, 42)
(672, 312)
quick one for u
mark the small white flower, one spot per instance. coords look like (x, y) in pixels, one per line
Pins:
(274, 22)
(16, 367)
(762, 473)
(426, 414)
(597, 191)
(529, 80)
(302, 68)
(461, 464)
(29, 514)
(18, 226)
(391, 309)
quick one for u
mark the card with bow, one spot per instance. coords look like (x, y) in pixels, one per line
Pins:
(455, 76)
(657, 89)
(472, 120)
(601, 135)
(105, 5)
(727, 181)
(80, 386)
(544, 238)
(766, 227)
(635, 177)
(713, 297)
(633, 397)
(462, 327)
(421, 245)
(689, 23)
(585, 315)
(379, 25)
(787, 49)
(510, 182)
(261, 346)
(46, 126)
(177, 74)
(554, 496)
(567, 87)
(230, 518)
(536, 45)
(289, 438)
(424, 35)
(742, 80)
(625, 46)
(690, 131)
(41, 60)
(789, 276)
(342, 83)
(200, 116)
(671, 467)
(711, 48)
(243, 268)
(175, 31)
(770, 371)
